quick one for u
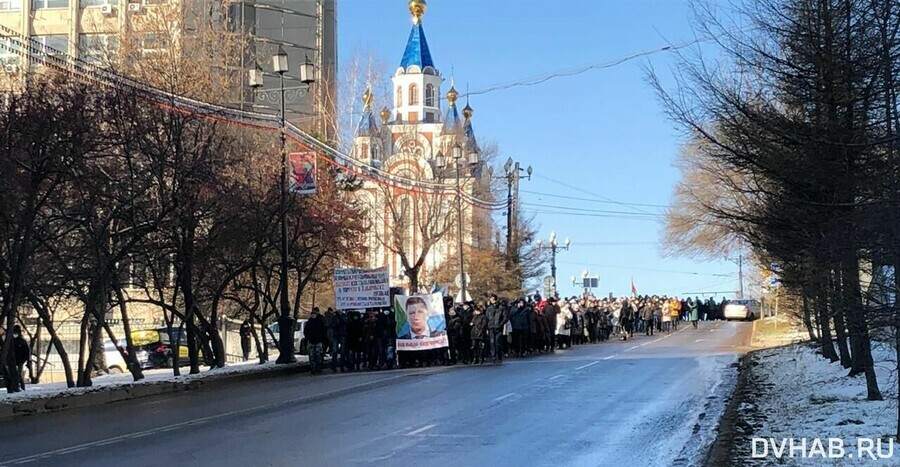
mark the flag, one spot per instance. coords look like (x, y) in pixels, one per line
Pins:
(633, 288)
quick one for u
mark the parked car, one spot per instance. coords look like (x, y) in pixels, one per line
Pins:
(742, 308)
(114, 360)
(154, 349)
(300, 346)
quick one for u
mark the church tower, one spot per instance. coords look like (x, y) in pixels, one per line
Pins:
(367, 142)
(416, 83)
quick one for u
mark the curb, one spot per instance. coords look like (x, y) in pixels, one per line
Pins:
(102, 395)
(719, 453)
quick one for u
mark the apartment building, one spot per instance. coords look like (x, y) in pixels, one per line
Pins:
(91, 30)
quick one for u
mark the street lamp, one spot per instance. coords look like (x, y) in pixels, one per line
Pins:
(511, 170)
(440, 162)
(256, 81)
(553, 246)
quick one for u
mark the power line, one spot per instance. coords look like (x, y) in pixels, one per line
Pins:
(591, 200)
(595, 195)
(611, 243)
(585, 214)
(582, 69)
(668, 271)
(596, 211)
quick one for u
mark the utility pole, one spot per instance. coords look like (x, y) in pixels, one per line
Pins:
(741, 274)
(512, 170)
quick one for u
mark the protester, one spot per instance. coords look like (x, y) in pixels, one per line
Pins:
(316, 334)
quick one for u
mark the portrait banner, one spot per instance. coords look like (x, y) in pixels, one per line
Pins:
(303, 173)
(420, 322)
(361, 288)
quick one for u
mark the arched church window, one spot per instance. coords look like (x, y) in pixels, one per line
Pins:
(413, 94)
(365, 150)
(399, 96)
(429, 95)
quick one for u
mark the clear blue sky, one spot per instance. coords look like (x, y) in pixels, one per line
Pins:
(602, 134)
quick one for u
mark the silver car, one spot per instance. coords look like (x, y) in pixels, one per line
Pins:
(743, 308)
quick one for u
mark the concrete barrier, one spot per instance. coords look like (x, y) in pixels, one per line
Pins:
(101, 395)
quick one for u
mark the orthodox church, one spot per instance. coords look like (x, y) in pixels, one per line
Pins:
(418, 139)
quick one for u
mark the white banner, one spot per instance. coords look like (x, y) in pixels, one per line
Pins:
(361, 288)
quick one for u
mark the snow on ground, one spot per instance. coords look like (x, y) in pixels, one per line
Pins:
(106, 382)
(796, 393)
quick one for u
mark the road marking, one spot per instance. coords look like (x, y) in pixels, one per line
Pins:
(611, 356)
(421, 430)
(556, 377)
(632, 348)
(645, 343)
(661, 338)
(699, 340)
(585, 366)
(128, 436)
(504, 397)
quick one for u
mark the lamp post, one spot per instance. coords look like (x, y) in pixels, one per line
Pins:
(441, 163)
(285, 321)
(512, 170)
(554, 247)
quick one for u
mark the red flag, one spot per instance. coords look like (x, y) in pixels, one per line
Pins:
(633, 288)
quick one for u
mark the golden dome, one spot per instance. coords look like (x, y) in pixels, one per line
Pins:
(452, 95)
(367, 98)
(385, 115)
(417, 8)
(468, 111)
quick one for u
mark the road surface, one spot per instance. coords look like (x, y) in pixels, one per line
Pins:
(648, 401)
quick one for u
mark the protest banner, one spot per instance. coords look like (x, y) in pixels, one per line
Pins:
(361, 288)
(420, 322)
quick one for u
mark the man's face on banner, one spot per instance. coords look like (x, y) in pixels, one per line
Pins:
(417, 314)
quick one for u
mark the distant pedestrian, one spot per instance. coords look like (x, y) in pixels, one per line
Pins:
(245, 332)
(22, 352)
(478, 334)
(316, 334)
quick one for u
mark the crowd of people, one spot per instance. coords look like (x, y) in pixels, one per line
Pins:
(490, 330)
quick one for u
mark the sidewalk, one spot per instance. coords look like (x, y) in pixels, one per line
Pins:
(52, 397)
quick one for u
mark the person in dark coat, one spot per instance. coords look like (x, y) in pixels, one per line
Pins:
(246, 332)
(521, 322)
(479, 330)
(551, 309)
(22, 352)
(497, 316)
(316, 334)
(454, 333)
(355, 340)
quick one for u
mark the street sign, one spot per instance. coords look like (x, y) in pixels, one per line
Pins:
(549, 281)
(458, 280)
(591, 282)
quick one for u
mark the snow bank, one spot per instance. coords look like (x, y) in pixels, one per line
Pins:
(108, 382)
(795, 393)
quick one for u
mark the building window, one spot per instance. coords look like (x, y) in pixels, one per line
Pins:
(429, 117)
(413, 94)
(151, 42)
(10, 5)
(54, 44)
(90, 3)
(364, 150)
(39, 4)
(7, 56)
(98, 49)
(429, 95)
(399, 97)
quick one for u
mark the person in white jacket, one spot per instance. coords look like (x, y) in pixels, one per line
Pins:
(563, 326)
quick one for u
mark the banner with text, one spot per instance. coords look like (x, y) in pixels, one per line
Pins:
(361, 288)
(420, 322)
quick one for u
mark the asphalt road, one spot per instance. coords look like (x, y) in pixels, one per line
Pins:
(648, 401)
